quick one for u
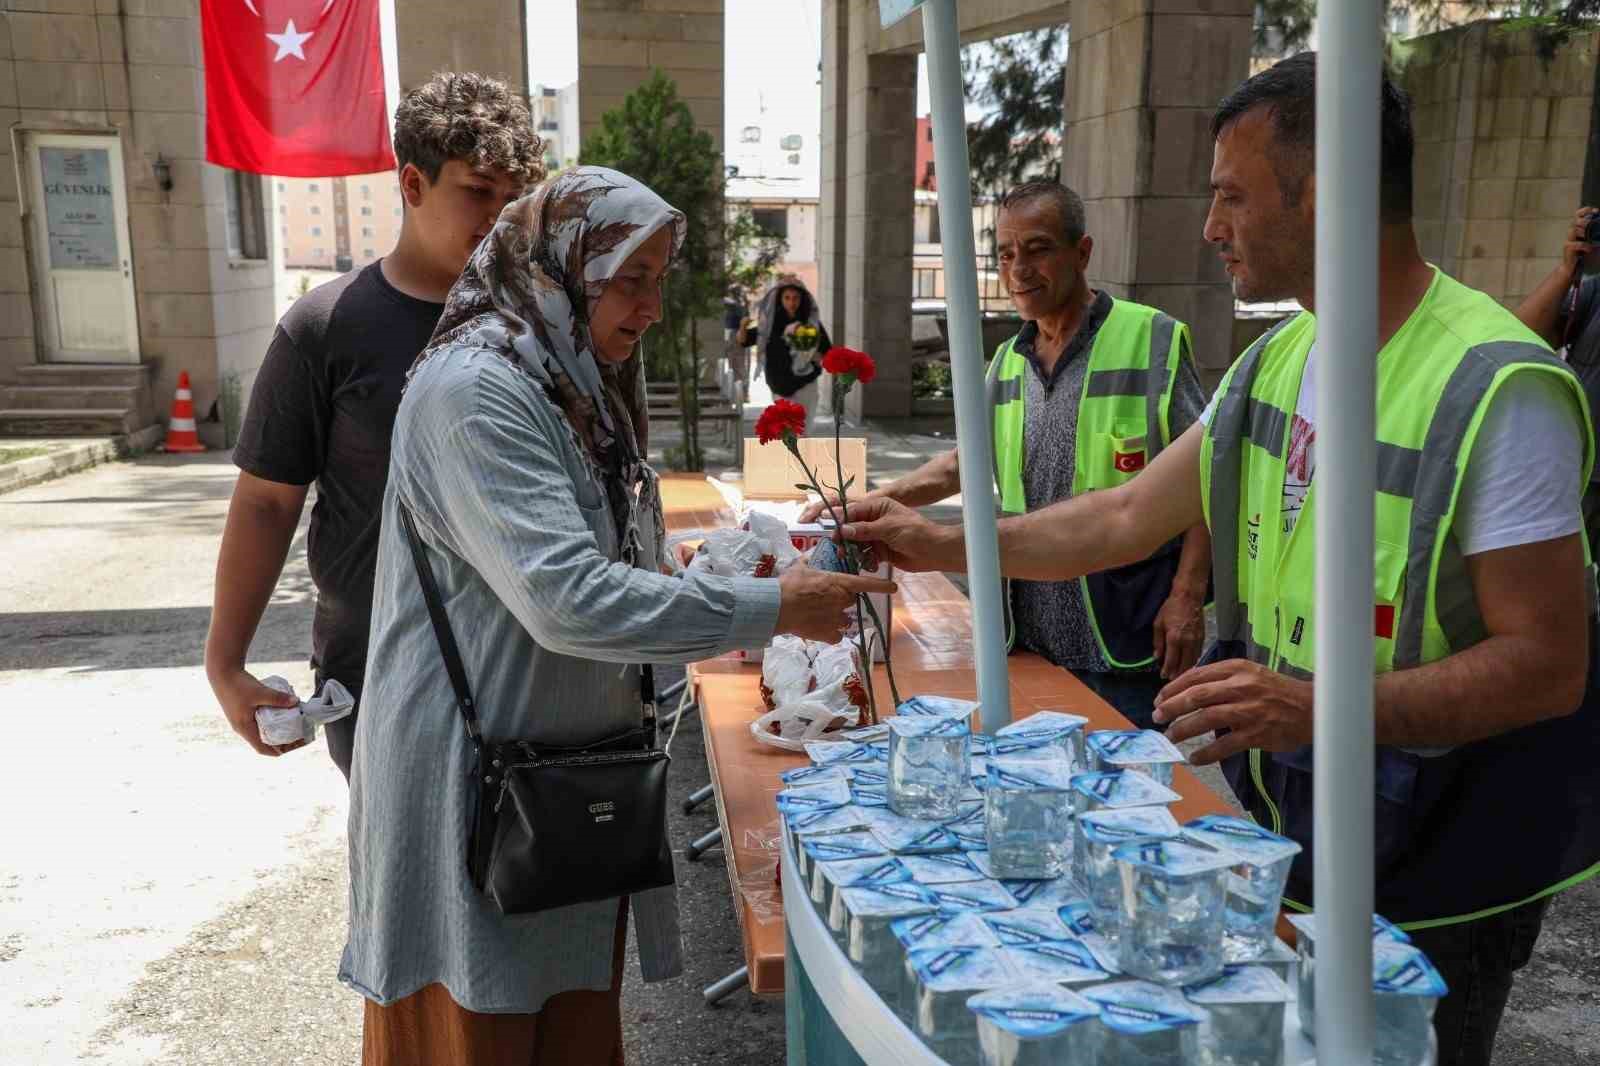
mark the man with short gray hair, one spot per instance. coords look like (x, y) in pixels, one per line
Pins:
(1082, 398)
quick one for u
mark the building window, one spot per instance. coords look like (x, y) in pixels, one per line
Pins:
(316, 253)
(750, 135)
(316, 231)
(313, 187)
(794, 159)
(366, 192)
(791, 143)
(316, 209)
(247, 237)
(930, 133)
(366, 231)
(366, 210)
(772, 221)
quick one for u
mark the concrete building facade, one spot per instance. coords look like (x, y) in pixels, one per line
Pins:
(314, 222)
(124, 257)
(1501, 136)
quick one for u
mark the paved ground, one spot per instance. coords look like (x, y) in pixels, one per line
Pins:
(168, 897)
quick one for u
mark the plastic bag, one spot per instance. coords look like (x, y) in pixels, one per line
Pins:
(786, 674)
(793, 724)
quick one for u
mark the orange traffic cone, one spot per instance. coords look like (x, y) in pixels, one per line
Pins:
(181, 435)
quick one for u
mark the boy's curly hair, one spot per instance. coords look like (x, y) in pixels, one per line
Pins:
(471, 117)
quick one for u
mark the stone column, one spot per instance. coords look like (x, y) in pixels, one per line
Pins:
(483, 36)
(880, 178)
(621, 41)
(1143, 79)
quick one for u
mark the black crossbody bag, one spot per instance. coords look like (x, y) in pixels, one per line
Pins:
(556, 826)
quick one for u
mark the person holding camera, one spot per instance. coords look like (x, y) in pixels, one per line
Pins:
(1565, 311)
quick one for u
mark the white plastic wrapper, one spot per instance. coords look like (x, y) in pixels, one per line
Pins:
(786, 674)
(774, 535)
(290, 725)
(793, 724)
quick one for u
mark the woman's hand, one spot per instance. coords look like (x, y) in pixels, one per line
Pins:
(788, 331)
(816, 604)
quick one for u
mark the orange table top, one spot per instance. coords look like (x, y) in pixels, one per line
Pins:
(932, 653)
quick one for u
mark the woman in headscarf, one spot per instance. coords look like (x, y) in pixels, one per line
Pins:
(791, 374)
(518, 450)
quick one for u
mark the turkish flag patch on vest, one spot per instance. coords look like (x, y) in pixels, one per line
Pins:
(1384, 621)
(1128, 462)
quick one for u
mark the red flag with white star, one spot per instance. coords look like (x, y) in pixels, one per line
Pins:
(295, 87)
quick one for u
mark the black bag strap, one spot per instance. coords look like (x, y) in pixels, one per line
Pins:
(441, 628)
(452, 655)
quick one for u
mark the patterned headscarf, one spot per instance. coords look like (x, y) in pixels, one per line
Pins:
(527, 293)
(770, 310)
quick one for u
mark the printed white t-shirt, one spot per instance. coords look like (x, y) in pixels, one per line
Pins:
(1523, 475)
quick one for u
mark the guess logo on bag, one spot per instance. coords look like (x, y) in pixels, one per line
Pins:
(603, 811)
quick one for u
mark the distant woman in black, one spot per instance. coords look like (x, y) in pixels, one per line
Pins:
(790, 374)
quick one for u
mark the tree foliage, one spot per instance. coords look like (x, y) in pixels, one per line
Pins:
(1283, 27)
(652, 138)
(1020, 82)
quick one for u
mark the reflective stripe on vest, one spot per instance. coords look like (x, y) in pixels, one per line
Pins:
(1433, 404)
(1123, 415)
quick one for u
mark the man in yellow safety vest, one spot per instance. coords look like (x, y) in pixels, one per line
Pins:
(1487, 715)
(1085, 396)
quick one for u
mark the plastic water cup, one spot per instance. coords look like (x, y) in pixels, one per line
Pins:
(1038, 1024)
(1097, 834)
(1172, 908)
(1144, 750)
(1059, 728)
(928, 766)
(1255, 887)
(870, 943)
(931, 931)
(1244, 1025)
(827, 878)
(946, 978)
(1305, 927)
(1028, 815)
(1144, 1024)
(1118, 788)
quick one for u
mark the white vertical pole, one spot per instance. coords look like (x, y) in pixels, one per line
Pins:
(947, 96)
(1349, 68)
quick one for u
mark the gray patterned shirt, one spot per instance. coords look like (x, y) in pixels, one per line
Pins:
(1050, 616)
(549, 624)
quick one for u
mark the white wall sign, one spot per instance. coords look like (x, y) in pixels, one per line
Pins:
(80, 213)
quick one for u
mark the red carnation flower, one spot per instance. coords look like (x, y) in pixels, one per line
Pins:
(850, 361)
(779, 420)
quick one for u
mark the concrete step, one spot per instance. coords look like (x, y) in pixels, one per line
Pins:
(68, 422)
(86, 375)
(70, 397)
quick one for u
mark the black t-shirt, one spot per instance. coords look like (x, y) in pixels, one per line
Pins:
(322, 410)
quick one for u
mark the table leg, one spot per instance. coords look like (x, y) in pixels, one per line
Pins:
(717, 991)
(697, 797)
(698, 847)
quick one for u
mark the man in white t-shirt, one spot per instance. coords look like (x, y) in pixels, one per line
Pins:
(1488, 816)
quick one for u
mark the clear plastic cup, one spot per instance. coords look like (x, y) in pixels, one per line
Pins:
(1244, 1027)
(1144, 1024)
(1097, 835)
(1028, 815)
(1172, 911)
(929, 766)
(946, 978)
(932, 931)
(1255, 889)
(869, 942)
(1305, 927)
(1118, 788)
(1038, 1024)
(1059, 728)
(1144, 750)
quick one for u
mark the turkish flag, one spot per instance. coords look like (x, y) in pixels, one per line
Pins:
(295, 87)
(1129, 462)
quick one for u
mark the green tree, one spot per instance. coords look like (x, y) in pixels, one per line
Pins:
(1020, 82)
(652, 138)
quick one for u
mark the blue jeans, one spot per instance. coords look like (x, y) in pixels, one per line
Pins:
(1134, 695)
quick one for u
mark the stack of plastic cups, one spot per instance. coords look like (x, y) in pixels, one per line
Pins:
(1028, 816)
(1244, 1025)
(1098, 834)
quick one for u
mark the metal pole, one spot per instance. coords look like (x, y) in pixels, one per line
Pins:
(1348, 71)
(942, 41)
